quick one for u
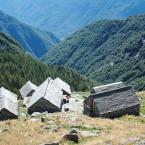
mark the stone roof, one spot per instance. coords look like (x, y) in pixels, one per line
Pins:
(9, 106)
(115, 100)
(48, 91)
(63, 85)
(27, 89)
(8, 101)
(107, 87)
(4, 93)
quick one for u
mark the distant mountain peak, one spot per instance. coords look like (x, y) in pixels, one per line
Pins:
(34, 40)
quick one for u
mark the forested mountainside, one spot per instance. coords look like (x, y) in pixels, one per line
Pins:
(63, 17)
(34, 40)
(108, 51)
(16, 68)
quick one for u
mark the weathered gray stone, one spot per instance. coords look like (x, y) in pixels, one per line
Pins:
(142, 142)
(72, 137)
(66, 109)
(4, 130)
(73, 105)
(50, 122)
(34, 119)
(73, 130)
(54, 143)
(56, 129)
(45, 113)
(43, 119)
(88, 133)
(35, 114)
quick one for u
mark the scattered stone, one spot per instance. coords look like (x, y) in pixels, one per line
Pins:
(54, 143)
(50, 122)
(66, 109)
(143, 116)
(35, 114)
(34, 120)
(4, 130)
(140, 142)
(72, 137)
(47, 127)
(45, 113)
(73, 130)
(56, 129)
(72, 106)
(43, 119)
(88, 133)
(52, 128)
(133, 139)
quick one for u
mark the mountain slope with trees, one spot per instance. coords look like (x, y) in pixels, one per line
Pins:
(16, 68)
(108, 51)
(63, 17)
(34, 40)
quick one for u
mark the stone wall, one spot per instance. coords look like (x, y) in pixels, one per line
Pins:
(134, 110)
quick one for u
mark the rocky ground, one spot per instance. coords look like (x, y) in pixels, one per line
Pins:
(68, 128)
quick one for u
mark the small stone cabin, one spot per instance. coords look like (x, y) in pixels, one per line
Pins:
(112, 103)
(47, 97)
(64, 86)
(8, 105)
(28, 89)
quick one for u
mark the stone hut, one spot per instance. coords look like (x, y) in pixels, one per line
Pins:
(47, 97)
(112, 103)
(64, 86)
(28, 89)
(8, 105)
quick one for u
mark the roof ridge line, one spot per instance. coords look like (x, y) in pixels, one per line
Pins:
(110, 91)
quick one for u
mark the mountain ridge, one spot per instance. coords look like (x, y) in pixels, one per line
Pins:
(17, 67)
(34, 40)
(107, 51)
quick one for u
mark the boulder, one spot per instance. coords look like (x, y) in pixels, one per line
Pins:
(73, 130)
(43, 119)
(72, 137)
(35, 114)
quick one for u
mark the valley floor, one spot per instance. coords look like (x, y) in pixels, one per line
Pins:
(46, 128)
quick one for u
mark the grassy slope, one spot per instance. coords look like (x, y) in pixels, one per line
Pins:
(107, 51)
(16, 68)
(125, 130)
(142, 96)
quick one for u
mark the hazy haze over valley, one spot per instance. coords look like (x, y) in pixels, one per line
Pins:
(63, 17)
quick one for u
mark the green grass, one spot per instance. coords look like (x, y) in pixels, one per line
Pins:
(142, 97)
